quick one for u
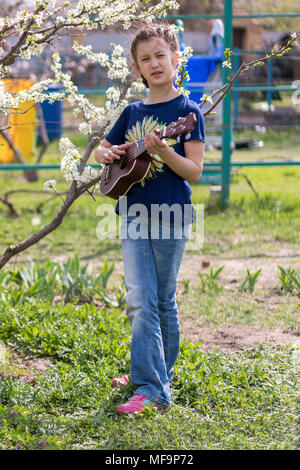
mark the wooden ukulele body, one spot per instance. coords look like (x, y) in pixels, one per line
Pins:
(121, 178)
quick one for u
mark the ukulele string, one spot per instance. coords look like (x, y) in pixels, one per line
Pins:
(131, 154)
(124, 161)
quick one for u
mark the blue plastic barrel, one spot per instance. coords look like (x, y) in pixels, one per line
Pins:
(199, 68)
(53, 113)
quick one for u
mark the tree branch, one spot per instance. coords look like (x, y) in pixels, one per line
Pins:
(13, 250)
(245, 66)
(10, 57)
(73, 193)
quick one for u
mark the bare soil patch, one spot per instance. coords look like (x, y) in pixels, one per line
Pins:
(233, 337)
(18, 367)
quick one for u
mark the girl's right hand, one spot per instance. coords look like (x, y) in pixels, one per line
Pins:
(115, 152)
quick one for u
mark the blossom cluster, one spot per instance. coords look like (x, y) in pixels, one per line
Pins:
(32, 47)
(38, 25)
(80, 103)
(117, 70)
(36, 93)
(69, 164)
(50, 184)
(118, 67)
(99, 57)
(93, 115)
(181, 73)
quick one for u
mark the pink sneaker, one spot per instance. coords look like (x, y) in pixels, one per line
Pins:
(121, 381)
(137, 404)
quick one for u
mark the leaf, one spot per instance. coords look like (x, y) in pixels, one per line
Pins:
(108, 300)
(217, 272)
(106, 272)
(296, 282)
(34, 290)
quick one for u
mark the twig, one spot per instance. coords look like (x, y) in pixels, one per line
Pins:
(241, 68)
(246, 66)
(15, 150)
(248, 181)
(25, 190)
(13, 250)
(12, 209)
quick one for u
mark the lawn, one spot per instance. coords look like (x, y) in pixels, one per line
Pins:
(64, 333)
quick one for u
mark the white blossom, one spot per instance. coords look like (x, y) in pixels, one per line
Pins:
(69, 163)
(113, 93)
(207, 99)
(176, 28)
(227, 64)
(100, 57)
(182, 61)
(35, 221)
(118, 67)
(137, 87)
(183, 91)
(185, 55)
(50, 184)
(85, 128)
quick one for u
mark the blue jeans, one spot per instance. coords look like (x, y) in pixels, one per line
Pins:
(151, 265)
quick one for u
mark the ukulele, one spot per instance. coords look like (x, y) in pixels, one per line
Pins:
(118, 177)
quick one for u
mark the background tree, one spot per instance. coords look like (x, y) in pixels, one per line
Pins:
(251, 6)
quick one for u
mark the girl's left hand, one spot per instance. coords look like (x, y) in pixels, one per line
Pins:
(154, 145)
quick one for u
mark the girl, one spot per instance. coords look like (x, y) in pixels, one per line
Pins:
(151, 262)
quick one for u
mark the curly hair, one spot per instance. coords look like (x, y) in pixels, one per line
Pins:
(150, 31)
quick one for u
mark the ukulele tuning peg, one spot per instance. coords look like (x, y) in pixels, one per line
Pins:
(188, 136)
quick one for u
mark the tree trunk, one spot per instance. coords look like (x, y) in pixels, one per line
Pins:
(30, 175)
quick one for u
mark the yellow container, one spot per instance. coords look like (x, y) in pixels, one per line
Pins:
(22, 124)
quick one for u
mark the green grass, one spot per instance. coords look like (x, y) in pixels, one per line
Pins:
(266, 308)
(254, 223)
(243, 400)
(240, 399)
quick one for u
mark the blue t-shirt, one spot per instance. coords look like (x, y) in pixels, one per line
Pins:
(161, 185)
